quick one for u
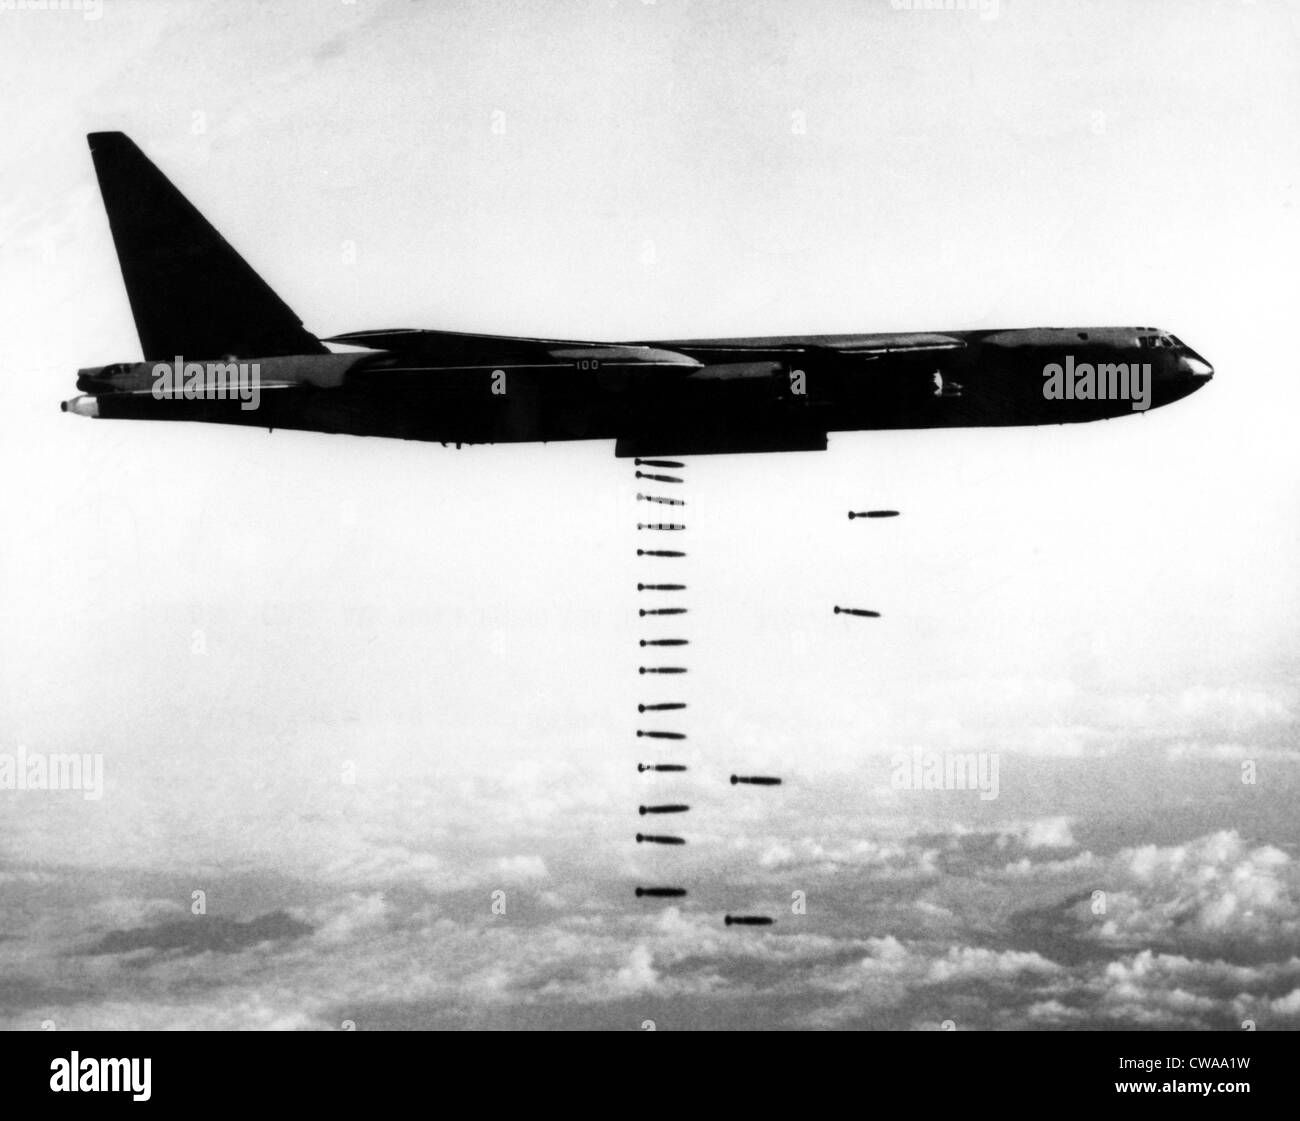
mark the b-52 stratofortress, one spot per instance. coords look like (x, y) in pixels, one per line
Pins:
(220, 346)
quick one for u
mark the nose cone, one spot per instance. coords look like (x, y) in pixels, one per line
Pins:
(82, 406)
(1193, 365)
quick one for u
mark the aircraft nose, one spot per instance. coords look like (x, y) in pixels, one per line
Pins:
(1193, 364)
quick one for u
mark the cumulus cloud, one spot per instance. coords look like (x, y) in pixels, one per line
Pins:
(1048, 833)
(1209, 889)
(906, 930)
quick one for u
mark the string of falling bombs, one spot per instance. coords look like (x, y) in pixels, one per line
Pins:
(653, 769)
(862, 611)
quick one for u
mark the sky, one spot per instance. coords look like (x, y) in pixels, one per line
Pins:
(366, 709)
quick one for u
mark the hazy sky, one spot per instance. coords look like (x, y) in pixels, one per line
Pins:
(350, 688)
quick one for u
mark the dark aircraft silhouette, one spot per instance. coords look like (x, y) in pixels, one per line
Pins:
(200, 307)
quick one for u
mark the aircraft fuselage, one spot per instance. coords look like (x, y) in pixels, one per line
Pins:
(675, 397)
(206, 319)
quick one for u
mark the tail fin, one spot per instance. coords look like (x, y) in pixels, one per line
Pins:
(190, 292)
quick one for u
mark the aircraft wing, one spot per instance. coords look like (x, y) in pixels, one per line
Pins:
(457, 349)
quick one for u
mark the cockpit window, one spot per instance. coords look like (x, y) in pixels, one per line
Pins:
(1152, 341)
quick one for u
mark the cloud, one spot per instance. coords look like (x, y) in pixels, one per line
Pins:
(522, 867)
(1207, 890)
(901, 931)
(203, 933)
(132, 911)
(1288, 1005)
(1235, 706)
(1231, 752)
(1043, 833)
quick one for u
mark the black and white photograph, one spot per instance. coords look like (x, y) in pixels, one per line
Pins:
(650, 515)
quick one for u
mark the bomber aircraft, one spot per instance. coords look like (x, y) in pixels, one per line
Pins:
(220, 346)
